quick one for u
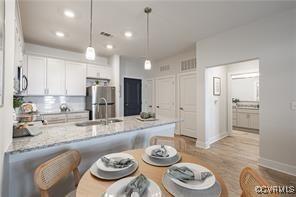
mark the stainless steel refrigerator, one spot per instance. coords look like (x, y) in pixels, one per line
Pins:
(96, 105)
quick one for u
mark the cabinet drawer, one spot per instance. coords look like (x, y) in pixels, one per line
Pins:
(83, 115)
(55, 118)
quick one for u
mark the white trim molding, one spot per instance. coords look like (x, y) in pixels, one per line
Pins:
(217, 137)
(278, 166)
(201, 144)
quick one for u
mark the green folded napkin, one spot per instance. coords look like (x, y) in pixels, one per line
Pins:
(117, 162)
(185, 174)
(160, 152)
(137, 186)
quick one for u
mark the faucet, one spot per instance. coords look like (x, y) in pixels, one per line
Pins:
(106, 109)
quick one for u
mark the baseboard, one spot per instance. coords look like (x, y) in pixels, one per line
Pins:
(200, 144)
(278, 166)
(217, 138)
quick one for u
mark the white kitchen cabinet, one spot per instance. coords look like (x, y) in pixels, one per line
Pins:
(98, 72)
(75, 79)
(56, 77)
(248, 118)
(36, 75)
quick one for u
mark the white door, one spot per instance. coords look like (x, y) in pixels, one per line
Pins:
(75, 79)
(165, 97)
(36, 75)
(56, 77)
(148, 92)
(187, 103)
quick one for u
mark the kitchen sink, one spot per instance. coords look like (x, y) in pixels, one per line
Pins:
(96, 122)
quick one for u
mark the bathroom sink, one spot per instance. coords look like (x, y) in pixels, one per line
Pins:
(96, 122)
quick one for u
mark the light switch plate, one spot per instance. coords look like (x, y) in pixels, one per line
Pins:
(293, 105)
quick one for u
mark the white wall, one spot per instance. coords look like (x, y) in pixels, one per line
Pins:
(272, 40)
(34, 49)
(216, 106)
(6, 111)
(173, 61)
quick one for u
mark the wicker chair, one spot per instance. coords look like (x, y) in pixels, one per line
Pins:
(249, 179)
(52, 171)
(178, 143)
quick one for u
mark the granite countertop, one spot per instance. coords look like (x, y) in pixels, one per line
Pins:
(60, 112)
(64, 133)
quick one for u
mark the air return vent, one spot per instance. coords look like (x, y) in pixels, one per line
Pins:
(187, 65)
(164, 68)
(105, 34)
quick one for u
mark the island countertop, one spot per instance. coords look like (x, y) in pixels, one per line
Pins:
(57, 134)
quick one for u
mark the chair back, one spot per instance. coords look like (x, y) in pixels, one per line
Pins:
(178, 143)
(249, 180)
(52, 171)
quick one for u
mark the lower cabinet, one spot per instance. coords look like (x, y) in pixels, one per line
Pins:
(248, 118)
(66, 117)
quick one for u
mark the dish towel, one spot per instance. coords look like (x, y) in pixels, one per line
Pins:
(117, 162)
(137, 186)
(147, 115)
(185, 174)
(160, 152)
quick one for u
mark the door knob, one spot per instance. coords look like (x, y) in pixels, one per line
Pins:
(181, 108)
(157, 106)
(150, 106)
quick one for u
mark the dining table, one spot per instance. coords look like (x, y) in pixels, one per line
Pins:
(90, 186)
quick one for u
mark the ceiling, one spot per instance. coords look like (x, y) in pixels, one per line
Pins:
(174, 25)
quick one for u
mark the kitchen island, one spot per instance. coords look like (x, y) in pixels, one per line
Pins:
(25, 154)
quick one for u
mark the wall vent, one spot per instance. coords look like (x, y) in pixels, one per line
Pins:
(105, 34)
(164, 68)
(188, 65)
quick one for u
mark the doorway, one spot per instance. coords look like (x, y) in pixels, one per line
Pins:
(132, 96)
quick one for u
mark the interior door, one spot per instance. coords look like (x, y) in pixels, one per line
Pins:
(132, 96)
(148, 95)
(165, 97)
(187, 103)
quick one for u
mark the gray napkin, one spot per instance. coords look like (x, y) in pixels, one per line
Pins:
(147, 115)
(117, 162)
(160, 152)
(137, 186)
(185, 174)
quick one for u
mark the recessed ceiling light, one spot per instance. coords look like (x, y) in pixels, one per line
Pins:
(59, 34)
(69, 13)
(109, 46)
(128, 34)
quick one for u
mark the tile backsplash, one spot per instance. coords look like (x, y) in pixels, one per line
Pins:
(47, 104)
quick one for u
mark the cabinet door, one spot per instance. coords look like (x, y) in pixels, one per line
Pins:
(93, 71)
(254, 121)
(243, 120)
(36, 75)
(75, 79)
(106, 72)
(56, 77)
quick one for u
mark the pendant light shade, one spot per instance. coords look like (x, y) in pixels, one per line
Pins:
(90, 53)
(147, 64)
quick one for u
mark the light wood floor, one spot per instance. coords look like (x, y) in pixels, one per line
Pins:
(231, 154)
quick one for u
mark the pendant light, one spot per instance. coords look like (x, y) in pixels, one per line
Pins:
(90, 53)
(147, 64)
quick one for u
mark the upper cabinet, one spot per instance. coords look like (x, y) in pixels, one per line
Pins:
(36, 75)
(48, 76)
(99, 72)
(75, 79)
(56, 77)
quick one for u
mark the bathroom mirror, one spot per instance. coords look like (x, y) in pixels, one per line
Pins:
(2, 33)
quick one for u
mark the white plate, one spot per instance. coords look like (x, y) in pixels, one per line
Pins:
(103, 167)
(171, 151)
(161, 162)
(117, 188)
(179, 191)
(197, 185)
(112, 175)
